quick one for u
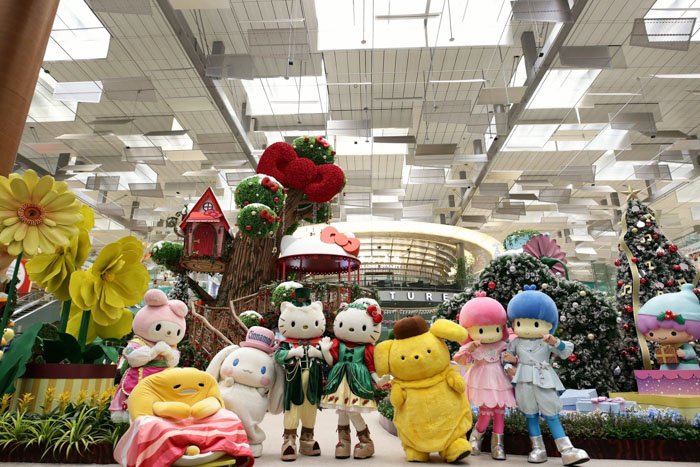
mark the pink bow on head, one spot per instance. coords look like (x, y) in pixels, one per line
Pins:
(350, 244)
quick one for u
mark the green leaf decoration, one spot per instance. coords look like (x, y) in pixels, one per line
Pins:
(14, 362)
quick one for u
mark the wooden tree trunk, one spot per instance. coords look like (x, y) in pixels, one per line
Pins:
(253, 260)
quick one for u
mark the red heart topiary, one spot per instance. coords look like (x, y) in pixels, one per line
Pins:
(320, 183)
(300, 172)
(275, 160)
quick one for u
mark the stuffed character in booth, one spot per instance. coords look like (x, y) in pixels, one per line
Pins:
(249, 381)
(302, 324)
(350, 384)
(488, 387)
(672, 321)
(535, 317)
(158, 328)
(431, 410)
(178, 418)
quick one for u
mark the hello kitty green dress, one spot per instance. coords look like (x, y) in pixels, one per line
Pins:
(349, 386)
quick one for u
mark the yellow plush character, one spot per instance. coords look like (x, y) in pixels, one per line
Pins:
(7, 336)
(176, 393)
(431, 411)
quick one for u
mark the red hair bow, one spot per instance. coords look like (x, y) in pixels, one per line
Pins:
(374, 312)
(349, 244)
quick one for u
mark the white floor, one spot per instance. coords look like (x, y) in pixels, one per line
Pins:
(388, 448)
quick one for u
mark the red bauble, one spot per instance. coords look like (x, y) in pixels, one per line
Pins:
(620, 283)
(572, 358)
(491, 285)
(676, 267)
(626, 327)
(635, 259)
(655, 236)
(659, 254)
(618, 263)
(696, 291)
(670, 282)
(624, 353)
(249, 227)
(643, 280)
(648, 224)
(328, 183)
(672, 248)
(628, 309)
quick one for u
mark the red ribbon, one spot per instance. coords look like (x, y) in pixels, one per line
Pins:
(269, 184)
(350, 244)
(322, 141)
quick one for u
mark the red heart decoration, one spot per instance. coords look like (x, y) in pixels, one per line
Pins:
(328, 183)
(275, 159)
(299, 173)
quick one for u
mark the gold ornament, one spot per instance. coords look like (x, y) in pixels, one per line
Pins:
(591, 336)
(650, 265)
(634, 230)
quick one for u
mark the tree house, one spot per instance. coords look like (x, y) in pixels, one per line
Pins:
(206, 236)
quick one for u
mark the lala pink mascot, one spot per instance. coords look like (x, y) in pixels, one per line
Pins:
(158, 328)
(487, 384)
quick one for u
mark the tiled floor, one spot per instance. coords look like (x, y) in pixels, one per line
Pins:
(388, 447)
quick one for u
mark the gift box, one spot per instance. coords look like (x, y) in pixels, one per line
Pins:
(605, 405)
(666, 354)
(569, 397)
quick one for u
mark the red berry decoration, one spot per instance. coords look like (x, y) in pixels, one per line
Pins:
(626, 327)
(572, 358)
(491, 285)
(659, 254)
(635, 259)
(670, 282)
(628, 309)
(643, 280)
(276, 199)
(672, 248)
(624, 354)
(655, 236)
(676, 267)
(618, 263)
(648, 224)
(249, 227)
(620, 283)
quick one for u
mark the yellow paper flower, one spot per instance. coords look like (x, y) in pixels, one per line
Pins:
(116, 330)
(53, 271)
(116, 280)
(36, 214)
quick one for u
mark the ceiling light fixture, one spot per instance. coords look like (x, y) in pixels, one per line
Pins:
(473, 80)
(677, 76)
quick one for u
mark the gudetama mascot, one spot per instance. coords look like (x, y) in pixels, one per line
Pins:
(431, 411)
(178, 419)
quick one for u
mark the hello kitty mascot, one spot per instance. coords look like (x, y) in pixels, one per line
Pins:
(247, 376)
(350, 384)
(302, 324)
(158, 328)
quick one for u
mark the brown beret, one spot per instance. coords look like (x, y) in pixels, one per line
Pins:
(409, 327)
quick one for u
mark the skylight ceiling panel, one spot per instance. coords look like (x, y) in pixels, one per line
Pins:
(663, 33)
(553, 11)
(277, 43)
(555, 195)
(652, 172)
(144, 155)
(102, 183)
(133, 89)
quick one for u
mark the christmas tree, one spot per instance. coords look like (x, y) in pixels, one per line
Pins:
(587, 317)
(648, 264)
(180, 290)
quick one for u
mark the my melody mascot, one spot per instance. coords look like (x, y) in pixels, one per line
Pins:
(158, 328)
(249, 382)
(350, 384)
(672, 321)
(178, 418)
(301, 324)
(534, 317)
(488, 387)
(431, 410)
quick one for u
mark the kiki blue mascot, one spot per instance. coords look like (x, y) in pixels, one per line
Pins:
(534, 318)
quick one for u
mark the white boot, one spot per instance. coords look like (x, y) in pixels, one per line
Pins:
(569, 454)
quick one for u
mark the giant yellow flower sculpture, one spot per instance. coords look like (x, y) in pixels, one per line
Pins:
(36, 214)
(116, 330)
(116, 280)
(53, 271)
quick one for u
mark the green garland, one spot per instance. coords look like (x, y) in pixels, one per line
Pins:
(253, 223)
(252, 190)
(315, 148)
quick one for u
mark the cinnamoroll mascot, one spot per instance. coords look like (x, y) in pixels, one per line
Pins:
(158, 328)
(249, 381)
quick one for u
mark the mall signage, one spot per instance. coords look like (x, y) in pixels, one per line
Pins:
(418, 296)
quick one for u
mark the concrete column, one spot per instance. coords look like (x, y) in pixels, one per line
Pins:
(25, 26)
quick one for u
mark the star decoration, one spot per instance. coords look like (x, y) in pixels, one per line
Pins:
(631, 193)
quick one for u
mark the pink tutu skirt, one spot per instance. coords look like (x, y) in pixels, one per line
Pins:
(488, 385)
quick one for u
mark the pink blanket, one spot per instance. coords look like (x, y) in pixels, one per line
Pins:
(157, 442)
